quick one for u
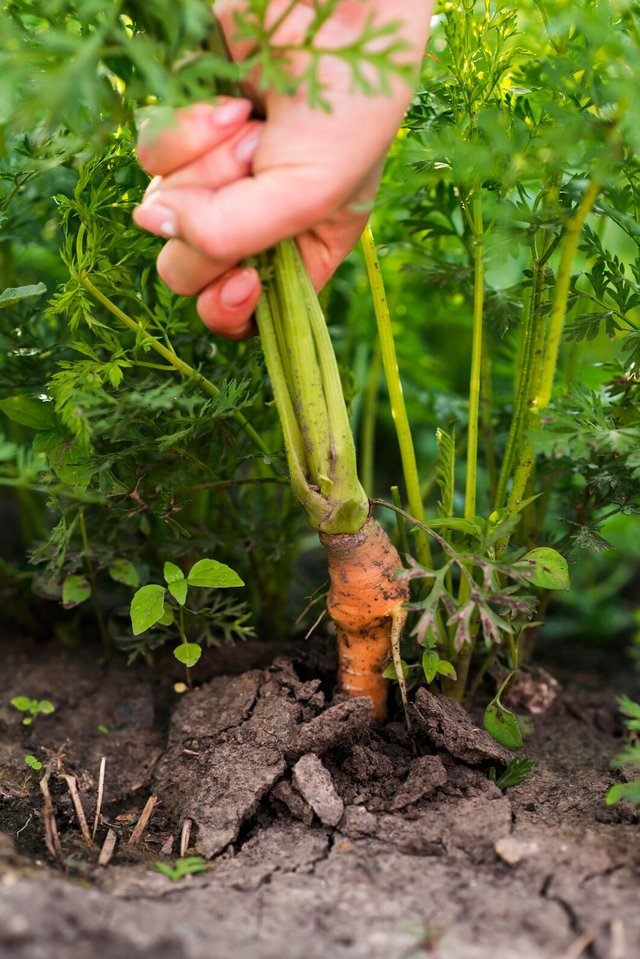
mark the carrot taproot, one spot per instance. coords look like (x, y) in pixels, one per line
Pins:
(364, 597)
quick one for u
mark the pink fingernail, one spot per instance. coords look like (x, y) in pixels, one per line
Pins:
(246, 148)
(237, 289)
(234, 111)
(156, 218)
(153, 186)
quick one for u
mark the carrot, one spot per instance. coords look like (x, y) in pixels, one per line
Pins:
(364, 600)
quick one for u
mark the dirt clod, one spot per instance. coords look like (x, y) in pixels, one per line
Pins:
(313, 781)
(426, 773)
(449, 726)
(338, 724)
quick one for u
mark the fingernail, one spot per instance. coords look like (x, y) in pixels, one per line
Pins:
(233, 111)
(237, 289)
(156, 218)
(153, 186)
(247, 146)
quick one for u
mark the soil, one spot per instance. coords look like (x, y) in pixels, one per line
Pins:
(324, 835)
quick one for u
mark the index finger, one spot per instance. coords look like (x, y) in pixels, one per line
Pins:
(195, 130)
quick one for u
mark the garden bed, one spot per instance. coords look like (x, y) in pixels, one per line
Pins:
(325, 835)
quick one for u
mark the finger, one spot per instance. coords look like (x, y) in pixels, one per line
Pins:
(243, 218)
(195, 130)
(218, 167)
(185, 270)
(226, 307)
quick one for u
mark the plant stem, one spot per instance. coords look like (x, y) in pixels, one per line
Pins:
(549, 359)
(308, 393)
(396, 398)
(368, 422)
(476, 358)
(561, 296)
(172, 358)
(524, 387)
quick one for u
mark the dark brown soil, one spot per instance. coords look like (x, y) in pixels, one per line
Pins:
(327, 837)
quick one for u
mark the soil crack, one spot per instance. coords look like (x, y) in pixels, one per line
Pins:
(590, 951)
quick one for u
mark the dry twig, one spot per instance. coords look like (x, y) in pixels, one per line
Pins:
(96, 818)
(108, 848)
(51, 836)
(185, 837)
(141, 825)
(77, 805)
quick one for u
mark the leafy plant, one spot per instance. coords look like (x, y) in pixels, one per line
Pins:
(181, 868)
(508, 217)
(152, 606)
(629, 758)
(33, 707)
(515, 773)
(33, 763)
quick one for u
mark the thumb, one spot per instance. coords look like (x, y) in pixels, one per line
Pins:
(243, 218)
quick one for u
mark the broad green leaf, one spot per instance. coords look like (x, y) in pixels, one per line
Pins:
(471, 527)
(178, 590)
(390, 671)
(75, 590)
(174, 578)
(209, 572)
(23, 703)
(430, 660)
(172, 573)
(123, 571)
(445, 668)
(16, 293)
(33, 762)
(188, 653)
(147, 607)
(29, 411)
(503, 726)
(45, 707)
(545, 567)
(629, 791)
(167, 618)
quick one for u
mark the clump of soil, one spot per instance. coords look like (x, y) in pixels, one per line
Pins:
(323, 833)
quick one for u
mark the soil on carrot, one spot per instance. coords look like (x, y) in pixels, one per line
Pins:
(323, 834)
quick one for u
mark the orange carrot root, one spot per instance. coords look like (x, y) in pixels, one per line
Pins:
(362, 597)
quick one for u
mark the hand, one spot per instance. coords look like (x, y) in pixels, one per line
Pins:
(227, 186)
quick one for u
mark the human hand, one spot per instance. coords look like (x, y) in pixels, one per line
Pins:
(227, 186)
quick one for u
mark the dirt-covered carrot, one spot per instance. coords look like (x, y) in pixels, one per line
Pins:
(363, 601)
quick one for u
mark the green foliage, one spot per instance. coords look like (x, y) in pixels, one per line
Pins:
(182, 867)
(32, 762)
(130, 436)
(629, 758)
(503, 725)
(151, 607)
(516, 772)
(33, 707)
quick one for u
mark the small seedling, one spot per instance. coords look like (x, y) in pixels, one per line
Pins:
(516, 772)
(182, 867)
(33, 707)
(32, 762)
(151, 605)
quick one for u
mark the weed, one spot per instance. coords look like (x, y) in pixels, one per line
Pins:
(516, 772)
(156, 605)
(629, 758)
(34, 708)
(182, 867)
